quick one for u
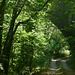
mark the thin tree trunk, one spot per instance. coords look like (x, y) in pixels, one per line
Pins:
(1, 22)
(7, 47)
(1, 28)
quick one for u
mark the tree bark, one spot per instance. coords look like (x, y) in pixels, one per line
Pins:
(9, 39)
(8, 44)
(1, 22)
(3, 3)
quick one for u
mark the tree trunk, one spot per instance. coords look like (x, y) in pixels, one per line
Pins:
(1, 29)
(1, 22)
(6, 55)
(8, 45)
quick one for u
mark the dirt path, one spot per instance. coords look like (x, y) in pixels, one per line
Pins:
(64, 65)
(54, 70)
(53, 65)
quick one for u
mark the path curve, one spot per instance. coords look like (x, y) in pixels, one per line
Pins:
(64, 65)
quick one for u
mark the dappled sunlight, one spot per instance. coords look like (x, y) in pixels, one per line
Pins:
(52, 72)
(53, 69)
(36, 36)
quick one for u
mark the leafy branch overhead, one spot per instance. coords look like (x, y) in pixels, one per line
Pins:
(23, 22)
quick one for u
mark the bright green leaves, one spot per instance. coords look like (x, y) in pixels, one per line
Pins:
(36, 40)
(1, 68)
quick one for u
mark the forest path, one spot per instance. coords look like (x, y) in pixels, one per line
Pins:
(53, 65)
(54, 70)
(58, 71)
(59, 67)
(64, 65)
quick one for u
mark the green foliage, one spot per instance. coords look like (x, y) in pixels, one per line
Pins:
(71, 63)
(29, 38)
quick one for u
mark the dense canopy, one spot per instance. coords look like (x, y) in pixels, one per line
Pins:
(32, 32)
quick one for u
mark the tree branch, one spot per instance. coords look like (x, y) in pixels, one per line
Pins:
(18, 8)
(23, 22)
(20, 23)
(40, 8)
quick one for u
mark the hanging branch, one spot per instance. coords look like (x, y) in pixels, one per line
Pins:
(19, 24)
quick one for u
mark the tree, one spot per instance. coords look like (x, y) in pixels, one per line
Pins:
(17, 8)
(61, 15)
(2, 10)
(29, 16)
